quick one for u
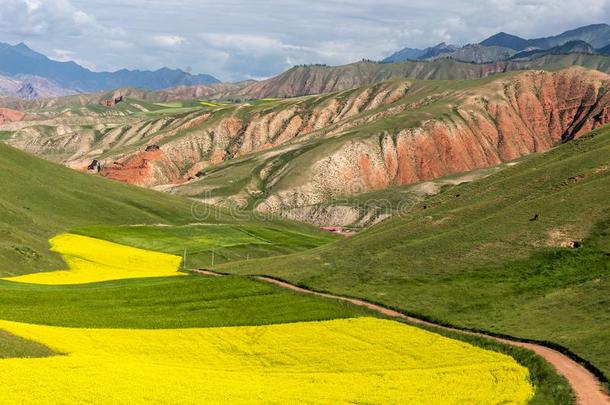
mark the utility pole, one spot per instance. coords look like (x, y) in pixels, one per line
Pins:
(184, 260)
(212, 256)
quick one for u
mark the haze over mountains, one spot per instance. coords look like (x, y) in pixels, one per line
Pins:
(590, 39)
(29, 75)
(34, 75)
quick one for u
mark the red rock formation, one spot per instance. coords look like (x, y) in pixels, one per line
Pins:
(534, 112)
(137, 169)
(8, 115)
(510, 118)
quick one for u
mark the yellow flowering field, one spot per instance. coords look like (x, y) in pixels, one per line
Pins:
(91, 260)
(360, 360)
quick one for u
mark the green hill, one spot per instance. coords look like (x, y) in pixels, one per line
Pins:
(490, 255)
(40, 199)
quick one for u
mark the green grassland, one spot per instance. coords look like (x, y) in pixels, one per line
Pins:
(40, 200)
(165, 303)
(470, 256)
(225, 242)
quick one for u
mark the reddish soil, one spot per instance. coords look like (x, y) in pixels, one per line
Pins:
(8, 115)
(136, 170)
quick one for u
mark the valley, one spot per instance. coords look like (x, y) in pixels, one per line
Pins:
(431, 226)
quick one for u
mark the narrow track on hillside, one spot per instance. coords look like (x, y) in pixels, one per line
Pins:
(586, 386)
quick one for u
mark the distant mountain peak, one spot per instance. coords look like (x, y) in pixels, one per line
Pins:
(506, 40)
(20, 59)
(27, 92)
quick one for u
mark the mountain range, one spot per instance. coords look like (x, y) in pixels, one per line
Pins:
(34, 71)
(503, 46)
(29, 75)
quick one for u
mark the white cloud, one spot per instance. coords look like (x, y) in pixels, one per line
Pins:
(169, 40)
(240, 39)
(45, 17)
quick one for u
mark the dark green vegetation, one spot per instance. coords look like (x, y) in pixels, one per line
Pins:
(40, 199)
(226, 242)
(12, 346)
(165, 303)
(474, 258)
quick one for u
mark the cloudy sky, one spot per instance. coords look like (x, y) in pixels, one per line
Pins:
(240, 39)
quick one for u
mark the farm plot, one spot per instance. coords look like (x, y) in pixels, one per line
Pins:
(92, 260)
(361, 360)
(225, 242)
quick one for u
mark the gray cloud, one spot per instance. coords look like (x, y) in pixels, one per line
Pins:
(238, 39)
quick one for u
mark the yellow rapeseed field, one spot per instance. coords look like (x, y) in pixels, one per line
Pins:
(91, 260)
(362, 360)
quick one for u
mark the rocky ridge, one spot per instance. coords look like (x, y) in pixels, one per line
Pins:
(285, 154)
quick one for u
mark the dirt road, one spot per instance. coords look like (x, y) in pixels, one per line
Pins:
(587, 387)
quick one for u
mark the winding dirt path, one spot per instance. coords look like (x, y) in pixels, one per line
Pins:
(587, 387)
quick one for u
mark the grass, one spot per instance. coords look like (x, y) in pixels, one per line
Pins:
(12, 347)
(474, 259)
(40, 200)
(4, 135)
(228, 242)
(165, 303)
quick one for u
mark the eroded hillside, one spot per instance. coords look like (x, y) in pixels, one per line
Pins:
(275, 155)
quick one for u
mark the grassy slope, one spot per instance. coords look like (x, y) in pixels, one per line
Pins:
(477, 261)
(53, 199)
(164, 303)
(227, 242)
(40, 199)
